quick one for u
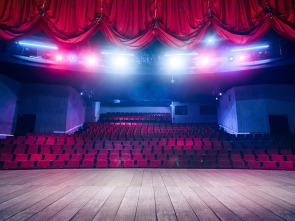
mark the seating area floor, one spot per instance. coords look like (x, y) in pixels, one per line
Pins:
(147, 194)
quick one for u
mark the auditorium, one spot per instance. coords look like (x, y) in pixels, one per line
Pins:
(147, 110)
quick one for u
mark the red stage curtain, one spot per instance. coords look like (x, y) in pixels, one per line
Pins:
(70, 22)
(137, 24)
(283, 17)
(129, 23)
(19, 18)
(182, 24)
(240, 21)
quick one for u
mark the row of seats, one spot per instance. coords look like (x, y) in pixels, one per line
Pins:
(57, 164)
(31, 149)
(146, 156)
(100, 142)
(157, 141)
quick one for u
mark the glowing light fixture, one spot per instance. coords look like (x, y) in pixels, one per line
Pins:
(186, 54)
(38, 45)
(121, 61)
(58, 57)
(91, 60)
(250, 48)
(113, 53)
(176, 62)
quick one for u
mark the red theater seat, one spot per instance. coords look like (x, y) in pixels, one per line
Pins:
(81, 151)
(273, 152)
(254, 165)
(142, 163)
(115, 163)
(58, 164)
(263, 157)
(210, 164)
(63, 157)
(269, 165)
(6, 157)
(249, 157)
(89, 157)
(126, 157)
(286, 165)
(36, 157)
(27, 164)
(57, 151)
(277, 158)
(42, 164)
(21, 157)
(239, 164)
(224, 164)
(286, 152)
(32, 151)
(19, 151)
(169, 163)
(128, 163)
(69, 151)
(101, 164)
(114, 157)
(236, 157)
(50, 157)
(137, 157)
(196, 163)
(155, 163)
(149, 157)
(10, 165)
(161, 157)
(76, 157)
(291, 158)
(87, 164)
(182, 163)
(73, 164)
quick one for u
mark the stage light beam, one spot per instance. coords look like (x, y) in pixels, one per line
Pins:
(59, 57)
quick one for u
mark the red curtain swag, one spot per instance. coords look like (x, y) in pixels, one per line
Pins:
(136, 24)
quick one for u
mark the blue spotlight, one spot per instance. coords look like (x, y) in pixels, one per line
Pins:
(250, 48)
(38, 45)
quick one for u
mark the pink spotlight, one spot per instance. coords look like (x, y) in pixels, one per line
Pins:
(91, 60)
(205, 61)
(242, 57)
(58, 57)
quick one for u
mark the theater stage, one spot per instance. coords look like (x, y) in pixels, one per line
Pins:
(147, 194)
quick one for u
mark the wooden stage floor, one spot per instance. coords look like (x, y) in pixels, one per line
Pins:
(147, 194)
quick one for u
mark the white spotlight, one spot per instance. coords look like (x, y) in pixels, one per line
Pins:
(205, 61)
(176, 62)
(121, 61)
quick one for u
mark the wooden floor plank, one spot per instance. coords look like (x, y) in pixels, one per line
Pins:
(167, 180)
(200, 208)
(71, 209)
(233, 204)
(164, 207)
(146, 206)
(91, 208)
(181, 206)
(10, 200)
(29, 201)
(219, 209)
(137, 179)
(279, 193)
(254, 199)
(39, 206)
(127, 209)
(147, 194)
(55, 207)
(112, 204)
